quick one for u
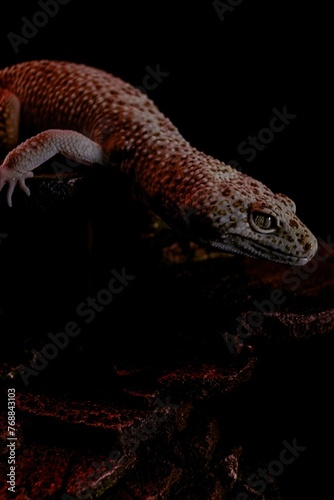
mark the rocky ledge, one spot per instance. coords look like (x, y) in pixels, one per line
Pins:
(145, 367)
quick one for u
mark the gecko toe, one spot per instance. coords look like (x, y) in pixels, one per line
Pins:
(24, 188)
(10, 191)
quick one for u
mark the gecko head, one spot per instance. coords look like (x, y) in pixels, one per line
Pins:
(243, 216)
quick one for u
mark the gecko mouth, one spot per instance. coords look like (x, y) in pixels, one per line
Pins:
(256, 250)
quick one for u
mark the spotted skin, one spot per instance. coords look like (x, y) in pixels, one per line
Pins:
(92, 117)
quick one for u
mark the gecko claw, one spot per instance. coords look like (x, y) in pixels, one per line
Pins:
(12, 179)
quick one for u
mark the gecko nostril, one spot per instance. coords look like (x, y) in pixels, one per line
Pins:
(307, 246)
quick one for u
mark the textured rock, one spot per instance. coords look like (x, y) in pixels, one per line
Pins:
(160, 396)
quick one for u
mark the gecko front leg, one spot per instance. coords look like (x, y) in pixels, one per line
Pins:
(19, 163)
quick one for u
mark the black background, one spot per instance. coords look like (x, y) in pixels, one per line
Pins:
(224, 77)
(224, 80)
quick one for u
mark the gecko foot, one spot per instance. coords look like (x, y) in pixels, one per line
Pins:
(12, 178)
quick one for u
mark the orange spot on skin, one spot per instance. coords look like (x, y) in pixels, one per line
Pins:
(293, 223)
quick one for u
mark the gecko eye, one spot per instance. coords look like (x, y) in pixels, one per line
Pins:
(263, 222)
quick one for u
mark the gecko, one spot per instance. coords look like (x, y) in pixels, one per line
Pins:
(93, 117)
